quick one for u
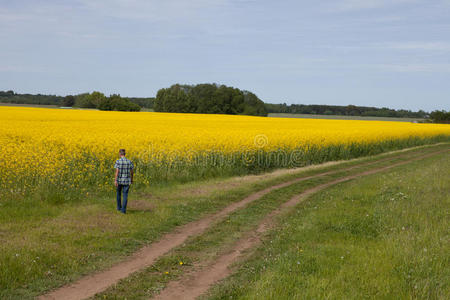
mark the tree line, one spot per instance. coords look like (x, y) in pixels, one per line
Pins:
(208, 98)
(211, 98)
(11, 97)
(85, 100)
(349, 110)
(100, 101)
(440, 116)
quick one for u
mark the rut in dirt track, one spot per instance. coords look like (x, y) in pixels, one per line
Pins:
(198, 282)
(90, 285)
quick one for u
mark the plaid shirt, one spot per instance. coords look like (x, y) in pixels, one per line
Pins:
(125, 166)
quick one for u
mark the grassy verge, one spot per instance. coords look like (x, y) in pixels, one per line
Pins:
(218, 239)
(384, 236)
(45, 245)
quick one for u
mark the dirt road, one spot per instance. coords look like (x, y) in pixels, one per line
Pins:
(200, 281)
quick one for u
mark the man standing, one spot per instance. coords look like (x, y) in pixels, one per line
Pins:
(123, 179)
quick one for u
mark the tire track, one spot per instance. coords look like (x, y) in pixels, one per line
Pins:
(90, 285)
(198, 282)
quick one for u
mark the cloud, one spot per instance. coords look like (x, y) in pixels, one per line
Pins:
(98, 11)
(412, 68)
(431, 46)
(356, 5)
(152, 10)
(21, 69)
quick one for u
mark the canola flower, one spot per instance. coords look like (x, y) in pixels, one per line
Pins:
(58, 151)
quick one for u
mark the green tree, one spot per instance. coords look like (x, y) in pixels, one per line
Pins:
(440, 116)
(208, 98)
(84, 101)
(116, 102)
(96, 98)
(69, 101)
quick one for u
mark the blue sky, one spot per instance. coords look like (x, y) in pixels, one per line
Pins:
(393, 53)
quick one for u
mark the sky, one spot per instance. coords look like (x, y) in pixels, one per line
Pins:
(382, 53)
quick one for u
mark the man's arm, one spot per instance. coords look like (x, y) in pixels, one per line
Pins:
(132, 173)
(115, 177)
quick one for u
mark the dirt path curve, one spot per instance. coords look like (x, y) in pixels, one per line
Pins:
(198, 282)
(90, 285)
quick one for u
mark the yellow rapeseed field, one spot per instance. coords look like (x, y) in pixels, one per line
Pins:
(75, 149)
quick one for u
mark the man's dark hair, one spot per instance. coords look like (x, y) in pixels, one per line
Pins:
(122, 151)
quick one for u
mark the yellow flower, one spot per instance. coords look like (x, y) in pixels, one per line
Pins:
(75, 149)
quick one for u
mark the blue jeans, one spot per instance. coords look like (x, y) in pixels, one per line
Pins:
(121, 188)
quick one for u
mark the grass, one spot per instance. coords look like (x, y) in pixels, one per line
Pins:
(205, 248)
(337, 117)
(384, 236)
(45, 245)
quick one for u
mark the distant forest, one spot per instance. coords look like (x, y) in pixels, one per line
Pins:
(85, 100)
(349, 110)
(211, 98)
